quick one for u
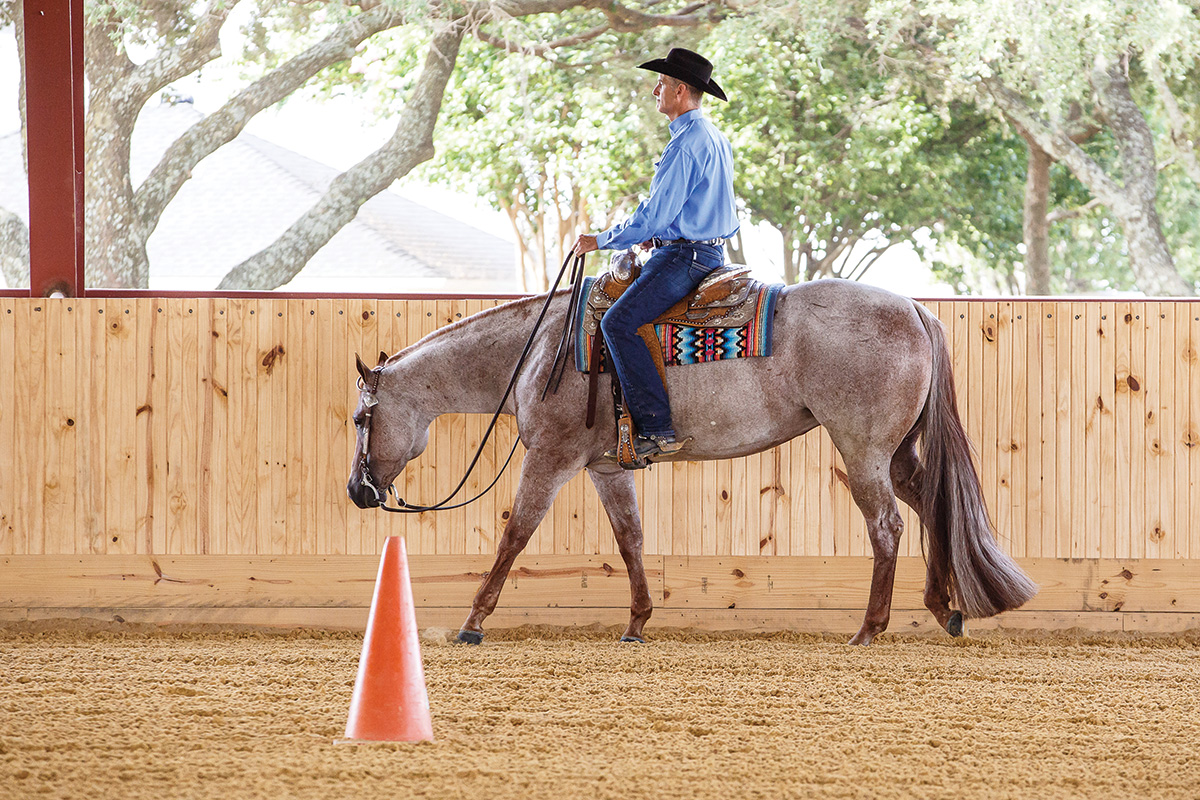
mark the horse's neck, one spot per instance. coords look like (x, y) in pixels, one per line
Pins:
(465, 368)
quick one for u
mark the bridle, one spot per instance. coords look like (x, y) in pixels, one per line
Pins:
(369, 386)
(369, 401)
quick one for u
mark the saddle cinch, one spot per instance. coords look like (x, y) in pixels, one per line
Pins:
(727, 298)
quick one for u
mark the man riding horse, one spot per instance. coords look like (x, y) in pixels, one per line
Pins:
(687, 218)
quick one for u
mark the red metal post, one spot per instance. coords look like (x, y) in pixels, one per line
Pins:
(54, 130)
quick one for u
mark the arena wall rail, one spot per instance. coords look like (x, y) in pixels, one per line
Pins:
(183, 459)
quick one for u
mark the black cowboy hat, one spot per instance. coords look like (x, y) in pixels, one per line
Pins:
(691, 68)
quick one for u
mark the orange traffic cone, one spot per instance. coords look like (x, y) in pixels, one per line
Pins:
(390, 703)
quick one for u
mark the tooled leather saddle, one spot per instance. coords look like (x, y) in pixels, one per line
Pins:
(727, 298)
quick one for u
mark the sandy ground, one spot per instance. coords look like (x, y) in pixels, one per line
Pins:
(105, 712)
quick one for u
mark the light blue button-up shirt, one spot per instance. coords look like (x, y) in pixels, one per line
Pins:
(691, 196)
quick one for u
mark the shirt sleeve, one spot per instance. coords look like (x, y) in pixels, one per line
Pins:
(670, 188)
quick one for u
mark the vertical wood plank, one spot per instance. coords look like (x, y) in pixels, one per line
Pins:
(1137, 442)
(146, 319)
(241, 510)
(217, 423)
(1063, 429)
(343, 397)
(9, 493)
(297, 438)
(63, 420)
(1185, 439)
(984, 394)
(1154, 529)
(1035, 478)
(1018, 446)
(190, 312)
(1051, 351)
(1079, 414)
(319, 340)
(1005, 438)
(738, 534)
(1168, 355)
(1093, 426)
(92, 454)
(30, 372)
(1122, 413)
(1107, 378)
(204, 434)
(814, 523)
(679, 507)
(830, 541)
(1193, 427)
(723, 519)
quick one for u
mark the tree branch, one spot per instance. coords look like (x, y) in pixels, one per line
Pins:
(1056, 142)
(1059, 214)
(201, 47)
(223, 125)
(1184, 144)
(411, 144)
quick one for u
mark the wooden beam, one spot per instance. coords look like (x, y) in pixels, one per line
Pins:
(54, 133)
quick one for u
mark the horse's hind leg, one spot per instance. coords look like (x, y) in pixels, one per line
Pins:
(540, 481)
(871, 487)
(616, 490)
(906, 479)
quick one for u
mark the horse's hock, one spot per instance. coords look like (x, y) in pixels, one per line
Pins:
(183, 460)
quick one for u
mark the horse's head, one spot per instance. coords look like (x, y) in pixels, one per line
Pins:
(388, 434)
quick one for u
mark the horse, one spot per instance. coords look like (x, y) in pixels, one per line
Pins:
(869, 366)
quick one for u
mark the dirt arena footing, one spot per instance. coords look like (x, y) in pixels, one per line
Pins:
(106, 710)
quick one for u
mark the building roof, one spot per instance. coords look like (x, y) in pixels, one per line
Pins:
(248, 192)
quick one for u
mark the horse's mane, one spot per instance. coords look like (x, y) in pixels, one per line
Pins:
(455, 326)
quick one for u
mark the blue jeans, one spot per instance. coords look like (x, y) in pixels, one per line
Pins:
(671, 274)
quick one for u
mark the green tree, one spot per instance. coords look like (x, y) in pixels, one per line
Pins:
(847, 161)
(1050, 69)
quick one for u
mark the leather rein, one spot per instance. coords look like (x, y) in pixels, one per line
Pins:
(368, 389)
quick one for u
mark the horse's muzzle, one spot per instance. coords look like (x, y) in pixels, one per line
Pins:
(362, 493)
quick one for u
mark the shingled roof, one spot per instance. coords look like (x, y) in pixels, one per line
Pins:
(244, 195)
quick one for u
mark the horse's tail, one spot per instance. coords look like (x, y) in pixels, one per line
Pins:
(984, 580)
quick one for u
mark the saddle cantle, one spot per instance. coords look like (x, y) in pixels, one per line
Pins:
(727, 298)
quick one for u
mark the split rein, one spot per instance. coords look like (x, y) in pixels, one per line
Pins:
(368, 391)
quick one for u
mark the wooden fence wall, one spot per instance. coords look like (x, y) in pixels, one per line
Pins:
(217, 429)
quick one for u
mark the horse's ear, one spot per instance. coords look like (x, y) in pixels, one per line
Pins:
(383, 357)
(363, 369)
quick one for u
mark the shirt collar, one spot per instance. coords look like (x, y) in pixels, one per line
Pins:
(683, 120)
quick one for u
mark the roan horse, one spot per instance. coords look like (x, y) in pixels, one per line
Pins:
(869, 366)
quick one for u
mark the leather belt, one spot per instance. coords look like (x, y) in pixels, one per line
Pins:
(664, 242)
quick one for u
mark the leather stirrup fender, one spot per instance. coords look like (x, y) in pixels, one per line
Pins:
(626, 456)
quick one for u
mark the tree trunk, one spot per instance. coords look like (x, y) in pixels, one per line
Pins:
(1151, 258)
(410, 145)
(1037, 225)
(14, 250)
(790, 267)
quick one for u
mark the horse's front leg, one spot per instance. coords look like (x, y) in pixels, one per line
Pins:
(617, 492)
(541, 478)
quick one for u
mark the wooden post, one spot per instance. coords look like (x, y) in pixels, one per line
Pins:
(54, 128)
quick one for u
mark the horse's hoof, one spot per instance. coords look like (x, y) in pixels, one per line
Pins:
(470, 637)
(637, 639)
(954, 625)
